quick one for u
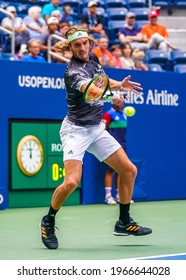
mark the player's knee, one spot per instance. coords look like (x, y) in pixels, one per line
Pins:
(72, 184)
(134, 171)
(131, 171)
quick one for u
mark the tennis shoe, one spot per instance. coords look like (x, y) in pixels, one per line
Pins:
(117, 198)
(132, 228)
(110, 200)
(48, 235)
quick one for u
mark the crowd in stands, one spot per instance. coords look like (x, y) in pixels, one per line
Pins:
(128, 51)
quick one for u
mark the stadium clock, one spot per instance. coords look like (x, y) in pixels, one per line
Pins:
(30, 155)
(58, 172)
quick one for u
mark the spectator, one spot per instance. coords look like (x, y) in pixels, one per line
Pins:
(21, 32)
(101, 51)
(34, 47)
(57, 14)
(63, 28)
(35, 24)
(137, 39)
(49, 8)
(117, 55)
(67, 15)
(93, 21)
(52, 23)
(157, 9)
(62, 49)
(138, 57)
(130, 33)
(127, 56)
(154, 29)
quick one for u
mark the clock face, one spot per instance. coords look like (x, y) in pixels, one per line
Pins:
(30, 155)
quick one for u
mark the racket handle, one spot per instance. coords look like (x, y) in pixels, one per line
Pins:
(109, 98)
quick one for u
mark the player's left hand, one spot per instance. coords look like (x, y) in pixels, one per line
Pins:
(128, 86)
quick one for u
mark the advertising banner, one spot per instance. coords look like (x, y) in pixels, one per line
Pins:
(156, 134)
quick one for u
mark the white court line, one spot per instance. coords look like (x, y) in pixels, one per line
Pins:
(158, 256)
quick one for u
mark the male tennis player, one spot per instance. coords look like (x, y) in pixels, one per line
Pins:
(83, 130)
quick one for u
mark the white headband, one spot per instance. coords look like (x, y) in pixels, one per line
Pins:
(77, 35)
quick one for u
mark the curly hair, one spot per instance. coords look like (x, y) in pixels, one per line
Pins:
(62, 46)
(80, 27)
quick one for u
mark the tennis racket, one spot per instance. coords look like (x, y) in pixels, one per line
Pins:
(98, 89)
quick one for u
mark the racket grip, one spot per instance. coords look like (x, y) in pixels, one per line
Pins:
(109, 98)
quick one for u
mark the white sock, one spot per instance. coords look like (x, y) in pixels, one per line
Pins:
(108, 192)
(117, 195)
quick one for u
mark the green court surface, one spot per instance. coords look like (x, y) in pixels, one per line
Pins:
(85, 232)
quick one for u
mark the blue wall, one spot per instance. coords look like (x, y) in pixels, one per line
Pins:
(156, 134)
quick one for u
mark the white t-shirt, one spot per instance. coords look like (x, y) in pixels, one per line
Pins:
(9, 22)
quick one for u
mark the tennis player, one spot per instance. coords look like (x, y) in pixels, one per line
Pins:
(83, 130)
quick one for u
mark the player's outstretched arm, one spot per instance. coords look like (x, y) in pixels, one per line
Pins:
(128, 85)
(125, 85)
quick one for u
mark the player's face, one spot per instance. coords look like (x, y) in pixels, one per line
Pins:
(80, 48)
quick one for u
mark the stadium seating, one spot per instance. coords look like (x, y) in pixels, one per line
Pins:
(155, 67)
(8, 56)
(140, 23)
(113, 14)
(113, 28)
(179, 3)
(116, 13)
(158, 57)
(100, 11)
(75, 4)
(114, 3)
(162, 3)
(22, 8)
(178, 57)
(33, 2)
(41, 3)
(3, 4)
(180, 68)
(136, 3)
(141, 13)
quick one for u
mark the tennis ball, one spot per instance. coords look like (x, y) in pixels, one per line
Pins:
(129, 111)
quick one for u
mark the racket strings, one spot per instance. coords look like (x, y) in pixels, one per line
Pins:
(96, 88)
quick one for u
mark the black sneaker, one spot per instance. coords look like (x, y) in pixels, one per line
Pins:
(132, 228)
(48, 234)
